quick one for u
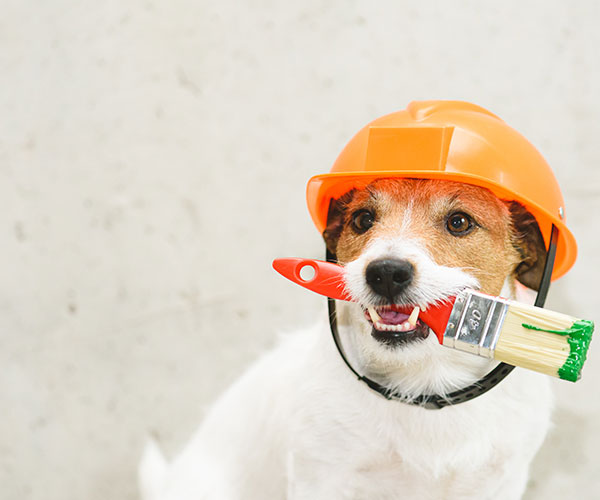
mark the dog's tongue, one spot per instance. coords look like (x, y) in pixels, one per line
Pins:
(390, 317)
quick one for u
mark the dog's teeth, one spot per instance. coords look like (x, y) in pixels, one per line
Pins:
(407, 326)
(414, 316)
(374, 316)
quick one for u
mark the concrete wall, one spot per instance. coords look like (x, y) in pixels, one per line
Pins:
(153, 158)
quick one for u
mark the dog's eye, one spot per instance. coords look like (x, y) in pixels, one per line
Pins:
(459, 224)
(362, 220)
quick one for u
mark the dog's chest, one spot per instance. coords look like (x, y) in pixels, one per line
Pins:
(395, 478)
(390, 450)
(422, 468)
(389, 476)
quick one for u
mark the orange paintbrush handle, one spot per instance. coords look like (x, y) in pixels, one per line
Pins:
(328, 280)
(328, 277)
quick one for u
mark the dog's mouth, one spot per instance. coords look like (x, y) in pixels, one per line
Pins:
(393, 325)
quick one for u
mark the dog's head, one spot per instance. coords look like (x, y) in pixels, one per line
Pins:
(416, 242)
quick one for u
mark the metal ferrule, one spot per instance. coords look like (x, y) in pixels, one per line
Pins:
(475, 323)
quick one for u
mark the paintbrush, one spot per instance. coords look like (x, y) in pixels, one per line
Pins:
(491, 327)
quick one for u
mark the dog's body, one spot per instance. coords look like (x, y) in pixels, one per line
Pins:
(299, 425)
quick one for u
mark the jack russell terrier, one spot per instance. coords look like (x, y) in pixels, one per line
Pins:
(299, 426)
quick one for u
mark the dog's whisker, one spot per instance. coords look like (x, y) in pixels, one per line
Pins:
(334, 280)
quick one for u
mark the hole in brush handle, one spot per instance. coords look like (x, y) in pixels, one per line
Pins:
(306, 272)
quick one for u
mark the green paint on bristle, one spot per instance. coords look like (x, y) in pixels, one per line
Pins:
(579, 338)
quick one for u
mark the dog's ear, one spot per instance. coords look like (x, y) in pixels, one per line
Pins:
(335, 220)
(529, 242)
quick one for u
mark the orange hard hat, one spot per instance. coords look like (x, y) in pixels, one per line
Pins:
(455, 141)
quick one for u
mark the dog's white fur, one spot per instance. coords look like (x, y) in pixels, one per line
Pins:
(299, 425)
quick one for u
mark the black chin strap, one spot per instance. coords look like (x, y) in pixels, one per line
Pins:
(437, 401)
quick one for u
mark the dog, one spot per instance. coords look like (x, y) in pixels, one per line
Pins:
(299, 425)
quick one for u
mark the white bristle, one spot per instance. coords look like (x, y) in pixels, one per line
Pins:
(535, 350)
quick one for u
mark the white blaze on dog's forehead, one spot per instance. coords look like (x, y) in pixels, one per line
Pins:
(401, 223)
(407, 215)
(414, 315)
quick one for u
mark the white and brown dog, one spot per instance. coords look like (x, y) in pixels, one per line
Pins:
(299, 425)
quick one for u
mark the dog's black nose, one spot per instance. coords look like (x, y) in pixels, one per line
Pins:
(389, 277)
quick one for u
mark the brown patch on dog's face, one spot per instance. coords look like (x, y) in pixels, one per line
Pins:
(459, 225)
(529, 242)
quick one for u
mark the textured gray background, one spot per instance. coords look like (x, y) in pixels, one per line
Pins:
(153, 158)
